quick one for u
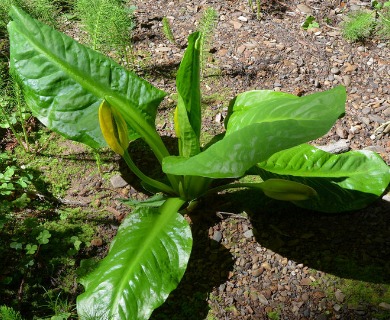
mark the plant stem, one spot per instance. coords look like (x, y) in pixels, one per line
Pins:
(172, 205)
(19, 108)
(11, 126)
(258, 12)
(233, 186)
(147, 132)
(250, 3)
(152, 182)
(98, 160)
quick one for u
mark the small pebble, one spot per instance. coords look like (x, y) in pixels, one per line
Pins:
(384, 305)
(354, 130)
(262, 299)
(118, 182)
(335, 70)
(257, 272)
(340, 297)
(242, 18)
(217, 236)
(248, 234)
(347, 80)
(337, 307)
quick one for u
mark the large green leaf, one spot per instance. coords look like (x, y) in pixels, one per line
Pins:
(146, 261)
(188, 120)
(262, 123)
(343, 182)
(64, 82)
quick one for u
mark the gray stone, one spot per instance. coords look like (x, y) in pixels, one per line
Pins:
(378, 149)
(242, 18)
(257, 272)
(347, 80)
(340, 297)
(341, 132)
(217, 236)
(384, 305)
(340, 146)
(365, 120)
(118, 182)
(262, 299)
(335, 70)
(302, 8)
(248, 234)
(376, 118)
(354, 130)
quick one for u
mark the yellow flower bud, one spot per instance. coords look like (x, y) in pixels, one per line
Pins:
(287, 190)
(114, 128)
(176, 122)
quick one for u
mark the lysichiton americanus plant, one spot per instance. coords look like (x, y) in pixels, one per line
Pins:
(87, 97)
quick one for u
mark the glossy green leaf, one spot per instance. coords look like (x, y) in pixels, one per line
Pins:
(146, 261)
(64, 82)
(260, 124)
(343, 182)
(156, 200)
(188, 119)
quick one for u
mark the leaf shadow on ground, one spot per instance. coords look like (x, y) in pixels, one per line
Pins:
(145, 160)
(209, 266)
(165, 71)
(351, 245)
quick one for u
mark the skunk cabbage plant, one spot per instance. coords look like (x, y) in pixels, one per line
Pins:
(89, 98)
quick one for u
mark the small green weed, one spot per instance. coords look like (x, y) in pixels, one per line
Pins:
(29, 243)
(109, 25)
(358, 292)
(206, 26)
(61, 307)
(168, 30)
(14, 111)
(273, 315)
(310, 23)
(258, 8)
(384, 21)
(7, 313)
(43, 10)
(14, 183)
(358, 26)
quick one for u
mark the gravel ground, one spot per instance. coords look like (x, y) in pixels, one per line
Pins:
(276, 53)
(259, 259)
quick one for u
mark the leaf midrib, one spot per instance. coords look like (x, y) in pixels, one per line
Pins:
(159, 224)
(94, 87)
